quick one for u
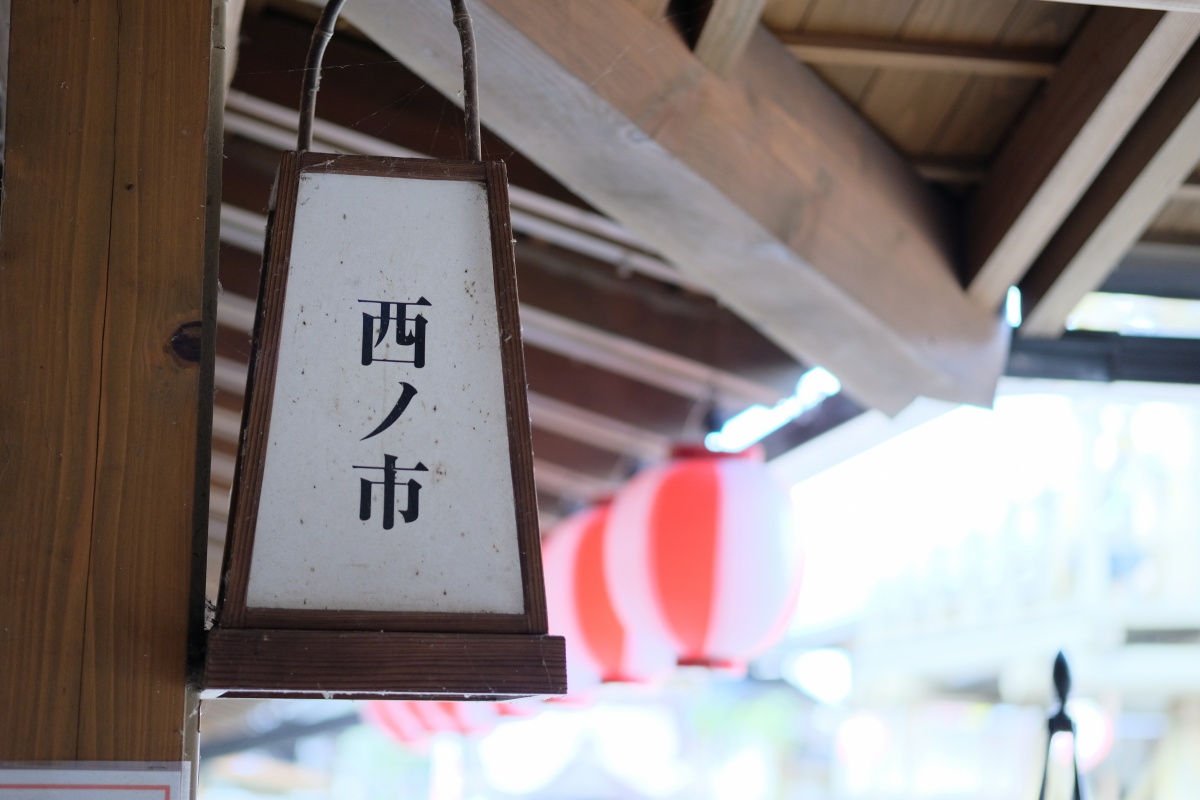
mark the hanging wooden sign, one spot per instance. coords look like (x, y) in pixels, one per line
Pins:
(383, 535)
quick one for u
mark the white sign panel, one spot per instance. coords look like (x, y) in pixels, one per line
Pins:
(99, 781)
(387, 484)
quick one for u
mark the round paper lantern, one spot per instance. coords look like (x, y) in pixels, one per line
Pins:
(702, 552)
(600, 647)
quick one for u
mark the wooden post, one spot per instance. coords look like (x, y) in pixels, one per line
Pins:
(103, 260)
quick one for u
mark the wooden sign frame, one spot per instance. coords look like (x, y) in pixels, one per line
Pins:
(300, 652)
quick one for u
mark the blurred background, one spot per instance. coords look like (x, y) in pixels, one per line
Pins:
(943, 569)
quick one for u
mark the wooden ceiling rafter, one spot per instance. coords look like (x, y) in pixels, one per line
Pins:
(570, 484)
(948, 170)
(1153, 5)
(278, 129)
(227, 425)
(218, 511)
(595, 429)
(877, 53)
(1189, 191)
(1155, 159)
(625, 356)
(654, 10)
(713, 173)
(726, 33)
(221, 469)
(537, 215)
(1112, 70)
(230, 376)
(943, 113)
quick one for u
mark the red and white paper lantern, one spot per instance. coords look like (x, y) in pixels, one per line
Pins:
(703, 553)
(600, 646)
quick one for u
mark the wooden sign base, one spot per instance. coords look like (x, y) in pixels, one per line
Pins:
(384, 664)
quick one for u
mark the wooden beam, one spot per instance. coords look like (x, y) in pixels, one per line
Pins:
(580, 456)
(681, 323)
(570, 484)
(595, 429)
(653, 9)
(726, 33)
(1157, 156)
(230, 376)
(1189, 192)
(852, 51)
(222, 469)
(274, 125)
(1153, 5)
(943, 170)
(102, 263)
(628, 357)
(231, 28)
(757, 186)
(533, 214)
(1113, 68)
(227, 425)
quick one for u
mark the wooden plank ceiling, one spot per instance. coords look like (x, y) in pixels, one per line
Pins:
(755, 186)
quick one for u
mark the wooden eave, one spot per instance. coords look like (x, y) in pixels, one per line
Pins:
(704, 213)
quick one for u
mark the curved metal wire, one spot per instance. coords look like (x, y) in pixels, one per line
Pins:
(466, 36)
(312, 71)
(316, 53)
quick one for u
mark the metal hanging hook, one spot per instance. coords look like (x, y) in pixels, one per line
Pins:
(312, 71)
(316, 54)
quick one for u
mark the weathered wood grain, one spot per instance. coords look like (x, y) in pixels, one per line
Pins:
(1155, 158)
(53, 280)
(101, 263)
(919, 56)
(726, 33)
(759, 196)
(911, 107)
(135, 653)
(989, 106)
(1113, 68)
(262, 663)
(653, 9)
(1157, 5)
(881, 19)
